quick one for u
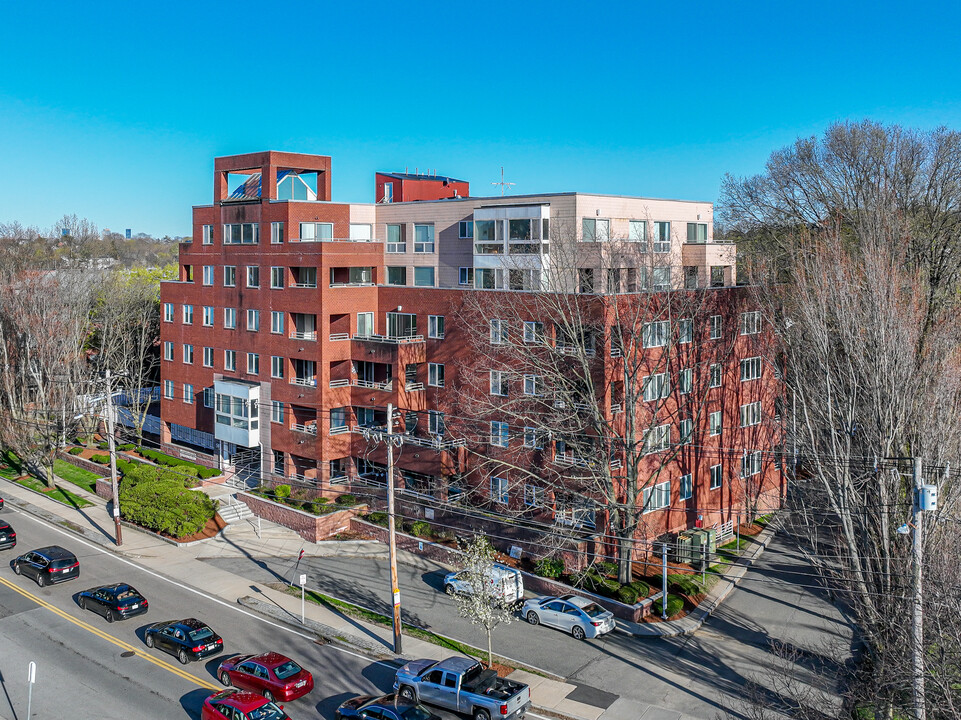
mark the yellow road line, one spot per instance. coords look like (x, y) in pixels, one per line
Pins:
(109, 638)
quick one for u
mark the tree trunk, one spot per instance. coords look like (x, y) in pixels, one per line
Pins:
(625, 556)
(490, 652)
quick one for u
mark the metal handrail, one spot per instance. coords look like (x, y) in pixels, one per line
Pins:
(339, 336)
(304, 335)
(414, 386)
(343, 382)
(395, 340)
(372, 385)
(310, 429)
(312, 285)
(304, 382)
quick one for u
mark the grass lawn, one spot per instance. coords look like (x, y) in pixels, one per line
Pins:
(78, 476)
(59, 494)
(8, 472)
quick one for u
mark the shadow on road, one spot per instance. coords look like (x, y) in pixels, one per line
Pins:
(3, 683)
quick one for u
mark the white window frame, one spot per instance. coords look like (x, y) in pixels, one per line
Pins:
(750, 323)
(656, 497)
(253, 274)
(750, 369)
(656, 387)
(253, 363)
(662, 245)
(533, 384)
(500, 434)
(685, 487)
(168, 312)
(277, 277)
(715, 325)
(399, 246)
(714, 375)
(750, 463)
(208, 316)
(208, 397)
(501, 494)
(715, 423)
(634, 236)
(208, 357)
(685, 381)
(230, 318)
(435, 422)
(188, 354)
(277, 412)
(533, 495)
(657, 439)
(207, 233)
(717, 477)
(168, 350)
(309, 231)
(655, 334)
(751, 414)
(465, 230)
(208, 275)
(253, 320)
(424, 246)
(436, 327)
(277, 322)
(534, 438)
(234, 233)
(465, 276)
(498, 331)
(277, 366)
(230, 276)
(188, 315)
(533, 332)
(435, 374)
(498, 383)
(168, 389)
(188, 394)
(276, 233)
(685, 431)
(230, 361)
(685, 331)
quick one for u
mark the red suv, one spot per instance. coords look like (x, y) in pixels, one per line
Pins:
(271, 674)
(240, 705)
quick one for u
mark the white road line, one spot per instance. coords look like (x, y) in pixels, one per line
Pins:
(221, 601)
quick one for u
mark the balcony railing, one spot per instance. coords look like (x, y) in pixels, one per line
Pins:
(434, 442)
(312, 285)
(338, 336)
(394, 340)
(317, 240)
(574, 350)
(352, 284)
(304, 335)
(338, 429)
(413, 386)
(373, 385)
(616, 408)
(304, 381)
(310, 428)
(343, 382)
(570, 459)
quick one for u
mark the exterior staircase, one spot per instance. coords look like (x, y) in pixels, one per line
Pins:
(233, 511)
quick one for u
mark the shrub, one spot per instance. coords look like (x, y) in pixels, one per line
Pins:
(126, 447)
(549, 567)
(282, 491)
(347, 500)
(378, 518)
(165, 506)
(205, 473)
(421, 529)
(607, 568)
(674, 605)
(79, 441)
(627, 594)
(75, 451)
(102, 459)
(642, 588)
(591, 581)
(103, 446)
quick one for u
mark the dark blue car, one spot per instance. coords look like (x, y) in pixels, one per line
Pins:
(186, 640)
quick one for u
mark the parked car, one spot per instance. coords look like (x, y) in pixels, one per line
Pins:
(114, 602)
(508, 581)
(241, 705)
(579, 616)
(8, 537)
(271, 674)
(1, 503)
(186, 639)
(51, 565)
(387, 707)
(463, 685)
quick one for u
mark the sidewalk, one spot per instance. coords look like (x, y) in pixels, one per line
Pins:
(549, 694)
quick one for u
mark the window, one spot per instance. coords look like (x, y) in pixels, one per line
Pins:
(499, 490)
(717, 276)
(423, 238)
(656, 387)
(208, 234)
(208, 397)
(498, 332)
(716, 477)
(715, 324)
(388, 192)
(253, 363)
(230, 276)
(750, 369)
(489, 279)
(585, 280)
(750, 463)
(277, 412)
(276, 233)
(316, 232)
(714, 420)
(276, 278)
(424, 276)
(169, 389)
(395, 239)
(168, 312)
(697, 232)
(241, 233)
(533, 438)
(499, 435)
(691, 279)
(230, 318)
(276, 367)
(750, 323)
(657, 497)
(465, 229)
(208, 278)
(685, 331)
(435, 374)
(435, 327)
(435, 422)
(253, 320)
(637, 231)
(188, 393)
(208, 357)
(498, 383)
(360, 232)
(595, 229)
(685, 488)
(396, 276)
(188, 314)
(686, 432)
(662, 237)
(533, 384)
(401, 325)
(685, 381)
(168, 350)
(533, 332)
(661, 279)
(714, 375)
(188, 354)
(533, 495)
(750, 414)
(654, 334)
(657, 438)
(465, 276)
(208, 316)
(277, 322)
(253, 276)
(230, 360)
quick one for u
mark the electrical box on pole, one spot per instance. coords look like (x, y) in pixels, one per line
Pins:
(927, 497)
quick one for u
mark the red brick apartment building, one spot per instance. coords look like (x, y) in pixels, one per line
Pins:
(296, 320)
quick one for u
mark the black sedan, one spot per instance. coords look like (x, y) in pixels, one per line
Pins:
(51, 564)
(8, 538)
(114, 602)
(388, 707)
(186, 639)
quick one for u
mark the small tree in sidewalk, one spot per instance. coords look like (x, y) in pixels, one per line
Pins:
(482, 604)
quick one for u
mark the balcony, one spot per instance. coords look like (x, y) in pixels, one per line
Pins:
(413, 386)
(304, 381)
(390, 339)
(373, 384)
(342, 382)
(334, 337)
(571, 459)
(333, 239)
(312, 285)
(338, 429)
(309, 428)
(304, 335)
(616, 408)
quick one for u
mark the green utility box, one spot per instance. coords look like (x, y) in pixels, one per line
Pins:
(682, 548)
(699, 544)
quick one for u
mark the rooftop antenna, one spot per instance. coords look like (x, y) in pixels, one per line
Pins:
(504, 185)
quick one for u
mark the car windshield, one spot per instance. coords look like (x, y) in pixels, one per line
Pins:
(267, 712)
(286, 670)
(201, 634)
(416, 712)
(593, 610)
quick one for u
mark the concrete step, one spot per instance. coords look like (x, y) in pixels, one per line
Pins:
(234, 512)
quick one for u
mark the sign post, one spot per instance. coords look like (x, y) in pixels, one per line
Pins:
(31, 679)
(303, 581)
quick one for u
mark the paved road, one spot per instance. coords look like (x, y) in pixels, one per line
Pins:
(700, 675)
(83, 671)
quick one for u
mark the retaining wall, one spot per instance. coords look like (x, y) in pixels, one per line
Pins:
(313, 528)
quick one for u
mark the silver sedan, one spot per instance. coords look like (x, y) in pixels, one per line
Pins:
(579, 616)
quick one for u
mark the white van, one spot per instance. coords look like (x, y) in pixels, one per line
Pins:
(508, 580)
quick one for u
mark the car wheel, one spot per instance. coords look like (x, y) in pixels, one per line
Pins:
(225, 678)
(481, 714)
(41, 581)
(407, 693)
(82, 603)
(449, 589)
(578, 632)
(532, 618)
(16, 568)
(110, 616)
(269, 695)
(148, 641)
(182, 657)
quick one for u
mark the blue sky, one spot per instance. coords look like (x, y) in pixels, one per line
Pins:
(115, 112)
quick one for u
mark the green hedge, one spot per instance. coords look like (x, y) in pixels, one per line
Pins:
(549, 567)
(160, 501)
(346, 500)
(421, 529)
(75, 451)
(184, 466)
(674, 605)
(282, 491)
(378, 518)
(102, 459)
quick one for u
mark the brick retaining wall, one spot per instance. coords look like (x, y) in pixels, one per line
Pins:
(416, 545)
(89, 465)
(310, 527)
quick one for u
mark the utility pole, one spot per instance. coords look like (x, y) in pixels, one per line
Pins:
(664, 581)
(917, 618)
(113, 458)
(392, 539)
